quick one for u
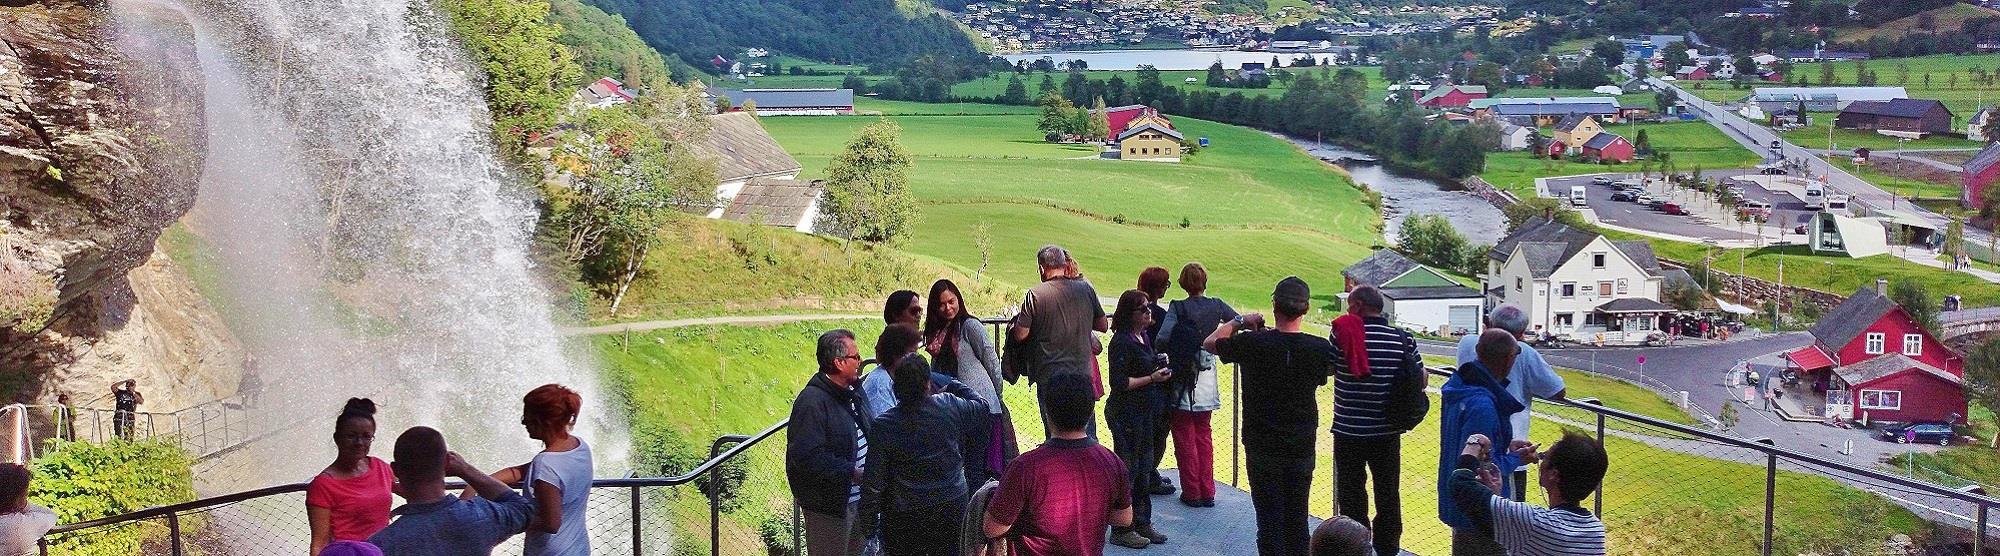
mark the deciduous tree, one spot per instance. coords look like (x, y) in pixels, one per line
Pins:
(868, 185)
(1916, 300)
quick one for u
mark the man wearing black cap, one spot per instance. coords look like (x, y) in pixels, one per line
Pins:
(1282, 367)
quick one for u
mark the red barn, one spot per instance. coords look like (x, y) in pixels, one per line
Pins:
(1878, 364)
(1696, 73)
(1452, 96)
(1980, 173)
(1556, 149)
(1120, 116)
(1608, 146)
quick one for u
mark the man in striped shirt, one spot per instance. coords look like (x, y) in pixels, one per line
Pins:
(1364, 443)
(1571, 470)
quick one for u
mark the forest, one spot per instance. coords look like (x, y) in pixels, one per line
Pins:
(869, 32)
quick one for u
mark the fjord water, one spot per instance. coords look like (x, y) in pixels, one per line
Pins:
(368, 238)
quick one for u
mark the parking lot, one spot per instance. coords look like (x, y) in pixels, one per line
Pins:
(1706, 219)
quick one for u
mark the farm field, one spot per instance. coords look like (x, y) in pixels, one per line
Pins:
(1834, 274)
(1905, 179)
(1255, 205)
(1655, 500)
(996, 84)
(1946, 19)
(1945, 77)
(1814, 137)
(1691, 144)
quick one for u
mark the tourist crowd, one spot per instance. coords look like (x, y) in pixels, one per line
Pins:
(916, 457)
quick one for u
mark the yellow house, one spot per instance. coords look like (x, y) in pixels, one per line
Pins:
(1149, 141)
(1574, 131)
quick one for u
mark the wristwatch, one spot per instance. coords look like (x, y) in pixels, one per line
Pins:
(1236, 322)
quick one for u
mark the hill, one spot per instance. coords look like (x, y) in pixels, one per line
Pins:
(606, 47)
(697, 31)
(1942, 19)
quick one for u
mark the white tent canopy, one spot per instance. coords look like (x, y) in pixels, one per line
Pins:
(1608, 90)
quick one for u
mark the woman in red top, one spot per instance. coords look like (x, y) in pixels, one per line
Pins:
(349, 501)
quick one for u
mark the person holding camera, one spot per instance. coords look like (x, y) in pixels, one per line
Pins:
(1282, 368)
(1138, 394)
(1477, 408)
(1571, 470)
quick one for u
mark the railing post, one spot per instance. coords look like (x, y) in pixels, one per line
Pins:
(1770, 492)
(174, 532)
(1236, 426)
(152, 428)
(798, 547)
(637, 519)
(1979, 531)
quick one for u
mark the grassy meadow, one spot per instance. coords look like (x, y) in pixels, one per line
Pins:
(1815, 137)
(1257, 208)
(703, 381)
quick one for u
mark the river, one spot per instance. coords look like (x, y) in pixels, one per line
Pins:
(1165, 59)
(1404, 195)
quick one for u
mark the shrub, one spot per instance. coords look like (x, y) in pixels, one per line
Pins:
(777, 532)
(83, 481)
(27, 299)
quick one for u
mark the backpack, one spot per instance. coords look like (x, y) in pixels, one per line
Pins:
(1183, 349)
(1407, 402)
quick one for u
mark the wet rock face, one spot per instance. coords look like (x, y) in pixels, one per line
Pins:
(100, 149)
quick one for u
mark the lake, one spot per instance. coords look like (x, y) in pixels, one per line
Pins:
(1164, 59)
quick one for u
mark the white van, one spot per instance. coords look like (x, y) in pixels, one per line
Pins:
(1578, 196)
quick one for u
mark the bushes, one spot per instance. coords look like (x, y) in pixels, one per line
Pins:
(83, 481)
(27, 299)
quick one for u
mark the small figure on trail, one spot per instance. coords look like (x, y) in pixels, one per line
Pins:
(126, 397)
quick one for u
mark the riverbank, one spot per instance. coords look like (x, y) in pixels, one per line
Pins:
(1408, 190)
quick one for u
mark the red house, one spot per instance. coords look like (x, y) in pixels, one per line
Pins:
(1120, 116)
(1451, 96)
(1980, 173)
(1696, 73)
(1556, 149)
(1875, 363)
(1608, 146)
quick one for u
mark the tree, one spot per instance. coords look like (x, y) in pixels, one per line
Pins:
(1954, 237)
(1057, 113)
(1100, 123)
(1686, 297)
(1216, 76)
(1147, 89)
(529, 74)
(1472, 261)
(982, 238)
(1431, 240)
(1642, 143)
(1915, 298)
(1540, 207)
(1048, 85)
(868, 185)
(1728, 418)
(1462, 153)
(860, 86)
(1677, 56)
(635, 167)
(1745, 67)
(1826, 74)
(1017, 92)
(1612, 52)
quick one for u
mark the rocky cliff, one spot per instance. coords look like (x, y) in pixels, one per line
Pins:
(101, 140)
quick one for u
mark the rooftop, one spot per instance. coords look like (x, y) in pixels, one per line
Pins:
(744, 150)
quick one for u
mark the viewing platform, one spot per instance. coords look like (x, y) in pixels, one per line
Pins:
(1228, 528)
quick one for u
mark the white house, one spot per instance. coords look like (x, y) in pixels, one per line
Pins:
(1577, 283)
(758, 179)
(1418, 297)
(1515, 137)
(1976, 128)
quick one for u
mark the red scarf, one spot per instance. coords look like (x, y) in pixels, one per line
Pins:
(1351, 334)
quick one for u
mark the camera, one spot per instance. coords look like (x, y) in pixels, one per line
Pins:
(1159, 361)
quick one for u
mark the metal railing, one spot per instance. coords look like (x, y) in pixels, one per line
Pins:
(202, 430)
(631, 515)
(1683, 489)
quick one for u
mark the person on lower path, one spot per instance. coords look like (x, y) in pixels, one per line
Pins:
(1570, 471)
(1530, 376)
(434, 523)
(1056, 500)
(558, 479)
(1369, 355)
(125, 398)
(1282, 369)
(1193, 390)
(1476, 402)
(914, 477)
(1138, 378)
(825, 445)
(350, 499)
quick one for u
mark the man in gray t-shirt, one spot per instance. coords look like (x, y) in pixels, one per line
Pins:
(1058, 317)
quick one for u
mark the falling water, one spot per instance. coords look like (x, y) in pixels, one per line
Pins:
(371, 241)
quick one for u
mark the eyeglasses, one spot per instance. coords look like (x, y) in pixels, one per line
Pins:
(915, 310)
(856, 357)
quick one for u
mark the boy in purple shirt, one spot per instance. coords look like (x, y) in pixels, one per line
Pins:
(1058, 499)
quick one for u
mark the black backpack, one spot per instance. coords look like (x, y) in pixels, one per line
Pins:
(1407, 402)
(1183, 349)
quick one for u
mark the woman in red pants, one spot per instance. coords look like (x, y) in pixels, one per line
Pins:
(1194, 390)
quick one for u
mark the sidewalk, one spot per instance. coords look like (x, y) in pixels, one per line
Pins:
(1928, 258)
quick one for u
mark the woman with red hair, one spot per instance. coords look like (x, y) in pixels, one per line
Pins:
(557, 479)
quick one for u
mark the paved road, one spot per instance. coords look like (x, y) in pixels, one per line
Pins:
(1759, 139)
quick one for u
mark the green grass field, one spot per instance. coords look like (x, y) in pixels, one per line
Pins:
(996, 84)
(1901, 186)
(1692, 144)
(1814, 137)
(1943, 20)
(1962, 95)
(1834, 274)
(1258, 209)
(703, 381)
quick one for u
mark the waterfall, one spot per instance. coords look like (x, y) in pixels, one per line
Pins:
(369, 239)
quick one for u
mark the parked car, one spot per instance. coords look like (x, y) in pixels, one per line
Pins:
(1601, 180)
(1940, 433)
(1673, 209)
(1652, 202)
(1644, 199)
(1624, 196)
(1772, 171)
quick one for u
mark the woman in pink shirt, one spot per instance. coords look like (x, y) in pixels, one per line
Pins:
(349, 501)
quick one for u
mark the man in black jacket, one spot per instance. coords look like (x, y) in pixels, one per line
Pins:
(826, 444)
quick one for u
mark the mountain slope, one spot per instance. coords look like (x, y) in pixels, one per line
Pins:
(859, 31)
